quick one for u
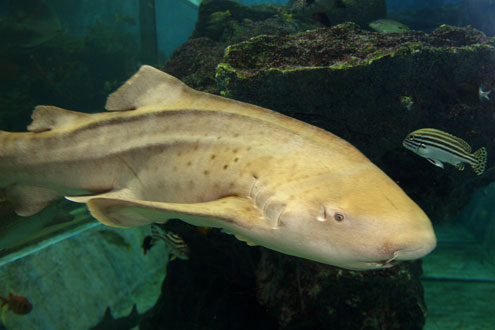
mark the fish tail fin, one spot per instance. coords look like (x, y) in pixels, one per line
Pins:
(481, 156)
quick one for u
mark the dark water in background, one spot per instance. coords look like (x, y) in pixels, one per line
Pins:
(104, 37)
(98, 46)
(100, 42)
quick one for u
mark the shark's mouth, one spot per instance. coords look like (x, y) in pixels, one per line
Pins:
(386, 263)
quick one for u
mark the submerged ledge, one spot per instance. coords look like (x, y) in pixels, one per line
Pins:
(81, 222)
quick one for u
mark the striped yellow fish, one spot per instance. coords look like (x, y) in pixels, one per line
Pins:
(439, 147)
(177, 246)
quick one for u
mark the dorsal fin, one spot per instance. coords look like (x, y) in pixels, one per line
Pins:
(48, 117)
(149, 86)
(465, 145)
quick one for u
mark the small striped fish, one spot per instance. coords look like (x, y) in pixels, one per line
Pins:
(439, 147)
(177, 246)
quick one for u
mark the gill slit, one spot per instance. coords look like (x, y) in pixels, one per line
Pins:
(129, 168)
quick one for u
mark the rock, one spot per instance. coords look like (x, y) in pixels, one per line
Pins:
(214, 16)
(214, 289)
(195, 62)
(221, 23)
(330, 13)
(306, 295)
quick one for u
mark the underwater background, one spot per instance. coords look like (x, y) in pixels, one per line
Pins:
(369, 71)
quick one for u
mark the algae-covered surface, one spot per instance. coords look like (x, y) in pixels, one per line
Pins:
(344, 46)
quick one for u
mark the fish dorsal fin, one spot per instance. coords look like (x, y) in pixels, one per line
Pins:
(47, 117)
(134, 311)
(108, 314)
(227, 212)
(148, 87)
(465, 145)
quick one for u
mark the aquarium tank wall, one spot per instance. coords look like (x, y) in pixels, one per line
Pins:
(222, 164)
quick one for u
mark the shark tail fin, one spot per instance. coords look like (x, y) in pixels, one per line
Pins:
(481, 156)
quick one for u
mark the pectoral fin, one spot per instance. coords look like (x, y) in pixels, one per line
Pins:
(29, 200)
(126, 194)
(222, 213)
(435, 162)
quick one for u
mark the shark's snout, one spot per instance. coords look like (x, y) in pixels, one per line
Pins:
(410, 246)
(423, 244)
(392, 256)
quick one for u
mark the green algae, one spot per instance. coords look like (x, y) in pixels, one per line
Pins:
(345, 46)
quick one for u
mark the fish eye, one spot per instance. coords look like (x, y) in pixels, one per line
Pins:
(422, 146)
(338, 217)
(411, 137)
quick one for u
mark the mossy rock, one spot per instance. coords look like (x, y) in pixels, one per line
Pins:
(214, 16)
(362, 12)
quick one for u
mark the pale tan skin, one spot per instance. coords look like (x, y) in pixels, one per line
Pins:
(268, 179)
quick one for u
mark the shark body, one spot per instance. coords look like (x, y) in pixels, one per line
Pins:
(164, 150)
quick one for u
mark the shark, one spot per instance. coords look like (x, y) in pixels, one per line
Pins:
(163, 150)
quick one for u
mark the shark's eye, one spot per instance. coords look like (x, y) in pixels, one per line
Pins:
(338, 217)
